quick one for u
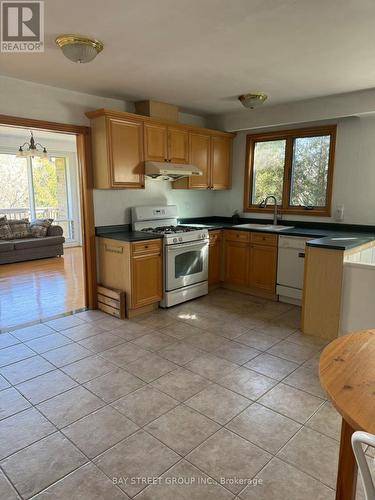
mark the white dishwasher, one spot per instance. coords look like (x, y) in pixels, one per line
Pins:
(290, 268)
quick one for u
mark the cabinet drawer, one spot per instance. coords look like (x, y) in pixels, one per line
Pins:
(237, 235)
(146, 247)
(264, 239)
(214, 237)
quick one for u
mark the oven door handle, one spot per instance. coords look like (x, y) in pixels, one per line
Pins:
(182, 246)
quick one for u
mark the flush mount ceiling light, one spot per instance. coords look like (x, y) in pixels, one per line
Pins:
(32, 149)
(79, 49)
(252, 100)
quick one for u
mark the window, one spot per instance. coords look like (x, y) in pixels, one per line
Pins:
(295, 166)
(36, 188)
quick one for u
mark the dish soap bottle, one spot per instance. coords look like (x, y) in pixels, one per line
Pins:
(235, 218)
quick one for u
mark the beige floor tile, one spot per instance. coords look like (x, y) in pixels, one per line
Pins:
(313, 453)
(44, 344)
(210, 366)
(264, 427)
(32, 332)
(309, 340)
(7, 492)
(88, 368)
(185, 482)
(326, 421)
(291, 318)
(145, 405)
(92, 315)
(98, 431)
(86, 483)
(7, 339)
(218, 403)
(291, 402)
(83, 331)
(229, 330)
(101, 342)
(70, 406)
(155, 320)
(150, 367)
(41, 464)
(226, 456)
(65, 322)
(207, 341)
(113, 385)
(283, 481)
(291, 351)
(154, 341)
(46, 386)
(130, 330)
(182, 429)
(14, 353)
(181, 384)
(22, 429)
(235, 352)
(306, 379)
(275, 329)
(11, 402)
(180, 330)
(180, 353)
(3, 383)
(110, 323)
(271, 366)
(122, 355)
(26, 369)
(257, 340)
(138, 456)
(66, 354)
(247, 383)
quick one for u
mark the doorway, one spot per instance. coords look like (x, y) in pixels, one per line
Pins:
(58, 189)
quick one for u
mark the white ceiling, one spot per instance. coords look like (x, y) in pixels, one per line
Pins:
(201, 54)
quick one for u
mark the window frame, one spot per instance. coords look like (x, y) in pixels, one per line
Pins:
(289, 136)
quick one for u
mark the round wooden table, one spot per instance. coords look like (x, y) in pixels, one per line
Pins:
(347, 373)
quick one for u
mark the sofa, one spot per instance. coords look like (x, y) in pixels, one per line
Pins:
(21, 240)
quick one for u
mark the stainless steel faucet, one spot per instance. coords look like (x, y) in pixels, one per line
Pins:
(263, 204)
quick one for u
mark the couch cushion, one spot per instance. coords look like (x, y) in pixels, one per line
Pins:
(6, 246)
(20, 228)
(38, 242)
(5, 230)
(39, 227)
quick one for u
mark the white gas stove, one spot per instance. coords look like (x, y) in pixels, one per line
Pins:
(185, 256)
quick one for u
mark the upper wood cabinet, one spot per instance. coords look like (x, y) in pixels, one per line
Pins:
(121, 142)
(117, 153)
(164, 143)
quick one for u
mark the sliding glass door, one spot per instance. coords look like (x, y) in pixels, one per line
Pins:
(41, 189)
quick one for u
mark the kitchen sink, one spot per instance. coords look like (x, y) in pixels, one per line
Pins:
(264, 227)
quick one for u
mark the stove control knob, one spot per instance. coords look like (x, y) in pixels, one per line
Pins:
(180, 238)
(174, 240)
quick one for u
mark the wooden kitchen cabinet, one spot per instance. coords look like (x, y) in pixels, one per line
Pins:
(199, 146)
(236, 257)
(135, 268)
(214, 258)
(166, 144)
(118, 158)
(262, 267)
(220, 162)
(178, 145)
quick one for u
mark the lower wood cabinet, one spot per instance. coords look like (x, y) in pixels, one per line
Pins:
(135, 268)
(214, 258)
(251, 260)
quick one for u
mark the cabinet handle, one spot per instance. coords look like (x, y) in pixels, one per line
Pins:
(146, 246)
(301, 255)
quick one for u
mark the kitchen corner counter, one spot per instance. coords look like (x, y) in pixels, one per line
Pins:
(124, 233)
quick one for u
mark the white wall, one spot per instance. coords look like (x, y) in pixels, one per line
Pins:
(32, 100)
(354, 175)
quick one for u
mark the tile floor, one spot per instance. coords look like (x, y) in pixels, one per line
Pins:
(188, 403)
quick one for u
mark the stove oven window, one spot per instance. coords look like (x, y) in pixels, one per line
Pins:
(188, 263)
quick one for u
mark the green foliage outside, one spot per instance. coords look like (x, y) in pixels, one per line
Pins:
(269, 158)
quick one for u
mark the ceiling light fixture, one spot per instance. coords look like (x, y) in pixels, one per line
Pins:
(32, 149)
(79, 49)
(252, 100)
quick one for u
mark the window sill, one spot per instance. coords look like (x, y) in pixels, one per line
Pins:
(290, 211)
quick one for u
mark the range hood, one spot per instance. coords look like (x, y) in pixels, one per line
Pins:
(169, 171)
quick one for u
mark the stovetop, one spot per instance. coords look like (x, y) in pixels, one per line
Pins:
(169, 229)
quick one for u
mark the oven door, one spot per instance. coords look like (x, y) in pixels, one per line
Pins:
(186, 264)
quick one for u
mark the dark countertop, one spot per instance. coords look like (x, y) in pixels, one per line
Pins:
(323, 237)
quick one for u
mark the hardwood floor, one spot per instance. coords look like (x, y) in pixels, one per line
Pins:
(36, 290)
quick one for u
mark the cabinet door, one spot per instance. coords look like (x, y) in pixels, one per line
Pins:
(146, 279)
(220, 162)
(125, 141)
(156, 142)
(236, 262)
(199, 146)
(262, 267)
(214, 258)
(178, 145)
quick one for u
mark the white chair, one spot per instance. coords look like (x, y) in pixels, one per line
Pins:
(359, 439)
